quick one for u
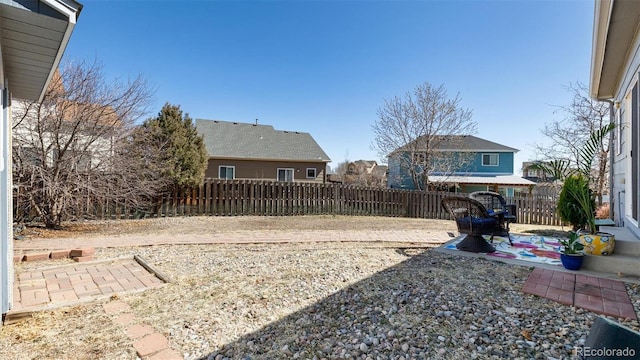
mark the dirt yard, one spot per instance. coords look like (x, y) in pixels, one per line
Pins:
(266, 300)
(212, 225)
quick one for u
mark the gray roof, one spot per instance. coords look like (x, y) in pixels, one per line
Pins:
(225, 139)
(467, 143)
(472, 143)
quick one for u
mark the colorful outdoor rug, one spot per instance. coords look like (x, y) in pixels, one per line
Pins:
(533, 248)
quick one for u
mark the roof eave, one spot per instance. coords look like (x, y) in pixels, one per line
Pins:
(614, 30)
(479, 150)
(34, 86)
(213, 157)
(600, 27)
(71, 9)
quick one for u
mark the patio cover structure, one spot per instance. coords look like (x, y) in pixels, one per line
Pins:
(33, 37)
(492, 182)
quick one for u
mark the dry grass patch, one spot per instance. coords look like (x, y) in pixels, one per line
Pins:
(79, 332)
(222, 224)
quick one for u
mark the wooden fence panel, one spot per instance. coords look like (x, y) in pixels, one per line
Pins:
(216, 197)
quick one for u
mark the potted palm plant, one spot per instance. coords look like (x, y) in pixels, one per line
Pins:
(579, 203)
(595, 243)
(571, 254)
(576, 204)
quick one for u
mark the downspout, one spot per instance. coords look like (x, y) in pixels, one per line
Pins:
(6, 203)
(612, 118)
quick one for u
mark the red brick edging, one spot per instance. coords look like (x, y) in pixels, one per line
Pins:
(79, 255)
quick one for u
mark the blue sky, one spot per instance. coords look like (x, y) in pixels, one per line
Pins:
(326, 67)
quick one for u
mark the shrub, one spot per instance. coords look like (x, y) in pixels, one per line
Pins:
(569, 207)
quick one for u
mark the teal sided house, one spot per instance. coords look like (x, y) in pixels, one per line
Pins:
(457, 163)
(33, 37)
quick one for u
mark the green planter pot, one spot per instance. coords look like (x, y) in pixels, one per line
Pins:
(572, 262)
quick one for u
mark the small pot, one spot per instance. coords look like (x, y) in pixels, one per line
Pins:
(571, 262)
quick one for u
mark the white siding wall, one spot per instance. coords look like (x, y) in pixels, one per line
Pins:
(25, 135)
(621, 167)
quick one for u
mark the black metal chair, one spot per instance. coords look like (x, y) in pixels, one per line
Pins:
(473, 219)
(497, 206)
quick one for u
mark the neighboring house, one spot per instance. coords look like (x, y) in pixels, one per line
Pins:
(482, 165)
(254, 151)
(379, 173)
(362, 173)
(546, 184)
(33, 36)
(535, 175)
(88, 148)
(615, 67)
(361, 167)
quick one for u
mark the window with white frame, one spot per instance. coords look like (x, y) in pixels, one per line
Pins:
(227, 172)
(311, 173)
(285, 174)
(489, 159)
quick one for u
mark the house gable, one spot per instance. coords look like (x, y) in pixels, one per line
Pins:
(470, 143)
(235, 140)
(485, 160)
(257, 151)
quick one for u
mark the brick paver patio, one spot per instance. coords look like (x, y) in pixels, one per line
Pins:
(68, 284)
(600, 295)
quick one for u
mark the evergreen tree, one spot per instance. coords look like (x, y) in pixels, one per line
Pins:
(184, 150)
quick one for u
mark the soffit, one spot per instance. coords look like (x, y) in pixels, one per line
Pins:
(618, 36)
(33, 36)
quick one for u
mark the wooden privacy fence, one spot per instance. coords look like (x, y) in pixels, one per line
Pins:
(536, 210)
(270, 198)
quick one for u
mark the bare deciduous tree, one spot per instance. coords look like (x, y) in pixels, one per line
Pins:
(76, 144)
(412, 130)
(582, 117)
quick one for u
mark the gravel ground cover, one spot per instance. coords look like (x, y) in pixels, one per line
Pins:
(317, 300)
